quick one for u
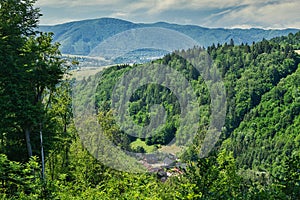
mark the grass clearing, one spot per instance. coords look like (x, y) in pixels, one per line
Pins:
(139, 142)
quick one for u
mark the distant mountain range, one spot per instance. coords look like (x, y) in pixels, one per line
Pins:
(82, 37)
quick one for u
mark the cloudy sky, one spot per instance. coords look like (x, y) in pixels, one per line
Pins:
(208, 13)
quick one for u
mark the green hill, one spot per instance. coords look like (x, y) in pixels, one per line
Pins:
(262, 88)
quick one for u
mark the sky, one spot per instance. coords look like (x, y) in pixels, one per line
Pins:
(277, 14)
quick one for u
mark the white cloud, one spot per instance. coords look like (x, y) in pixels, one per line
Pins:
(218, 13)
(275, 14)
(119, 14)
(73, 3)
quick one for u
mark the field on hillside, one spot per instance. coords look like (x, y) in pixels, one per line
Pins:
(79, 74)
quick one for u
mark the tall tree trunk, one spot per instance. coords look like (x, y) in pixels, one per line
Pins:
(67, 146)
(42, 153)
(2, 142)
(28, 143)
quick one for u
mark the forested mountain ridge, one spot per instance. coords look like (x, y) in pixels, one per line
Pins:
(81, 37)
(248, 71)
(262, 86)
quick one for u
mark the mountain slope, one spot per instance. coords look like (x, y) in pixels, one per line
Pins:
(81, 37)
(270, 132)
(262, 88)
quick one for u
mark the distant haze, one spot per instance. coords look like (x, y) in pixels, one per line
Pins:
(82, 37)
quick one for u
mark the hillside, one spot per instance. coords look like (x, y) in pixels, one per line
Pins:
(270, 132)
(262, 87)
(81, 37)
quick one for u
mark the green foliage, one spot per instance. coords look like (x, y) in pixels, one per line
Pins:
(30, 70)
(269, 132)
(112, 131)
(249, 72)
(18, 179)
(257, 158)
(14, 29)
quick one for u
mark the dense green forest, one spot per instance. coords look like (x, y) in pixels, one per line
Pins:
(43, 155)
